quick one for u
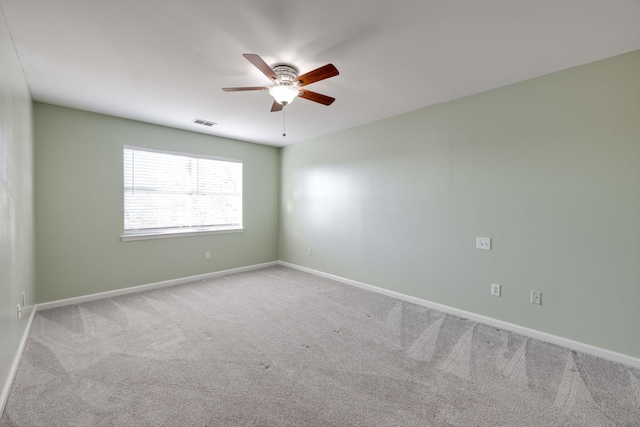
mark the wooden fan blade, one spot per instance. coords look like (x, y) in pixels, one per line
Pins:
(261, 65)
(316, 97)
(239, 89)
(316, 75)
(276, 107)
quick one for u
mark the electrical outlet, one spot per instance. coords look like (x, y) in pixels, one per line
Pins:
(483, 243)
(207, 255)
(536, 298)
(309, 251)
(496, 290)
(19, 313)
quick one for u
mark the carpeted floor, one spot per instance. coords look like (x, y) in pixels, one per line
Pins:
(278, 347)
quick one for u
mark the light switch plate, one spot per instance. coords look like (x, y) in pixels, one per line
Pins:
(483, 243)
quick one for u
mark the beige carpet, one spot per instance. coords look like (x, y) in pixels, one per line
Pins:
(277, 347)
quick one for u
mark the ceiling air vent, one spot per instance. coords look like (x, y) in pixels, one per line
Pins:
(203, 122)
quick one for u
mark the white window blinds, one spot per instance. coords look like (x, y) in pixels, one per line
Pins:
(166, 191)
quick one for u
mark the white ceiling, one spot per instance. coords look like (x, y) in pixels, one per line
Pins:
(165, 62)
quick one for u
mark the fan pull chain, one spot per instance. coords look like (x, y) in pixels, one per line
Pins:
(284, 120)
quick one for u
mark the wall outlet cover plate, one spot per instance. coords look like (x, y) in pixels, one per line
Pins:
(496, 290)
(536, 297)
(483, 243)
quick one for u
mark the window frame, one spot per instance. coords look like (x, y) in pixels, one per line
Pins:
(179, 231)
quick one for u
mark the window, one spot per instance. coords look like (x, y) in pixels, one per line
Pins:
(167, 193)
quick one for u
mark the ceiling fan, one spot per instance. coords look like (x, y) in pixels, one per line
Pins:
(287, 84)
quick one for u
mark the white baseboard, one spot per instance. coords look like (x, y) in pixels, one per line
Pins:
(163, 284)
(16, 362)
(542, 336)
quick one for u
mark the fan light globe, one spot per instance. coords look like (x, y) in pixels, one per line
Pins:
(283, 94)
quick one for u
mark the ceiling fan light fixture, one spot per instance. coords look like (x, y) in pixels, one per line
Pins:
(283, 94)
(287, 85)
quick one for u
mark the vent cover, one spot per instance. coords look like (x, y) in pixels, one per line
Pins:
(203, 122)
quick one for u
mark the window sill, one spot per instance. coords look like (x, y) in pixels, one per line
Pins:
(179, 233)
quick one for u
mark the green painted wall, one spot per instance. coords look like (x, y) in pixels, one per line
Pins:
(549, 168)
(17, 271)
(79, 206)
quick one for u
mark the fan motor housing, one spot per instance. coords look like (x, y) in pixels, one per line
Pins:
(286, 72)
